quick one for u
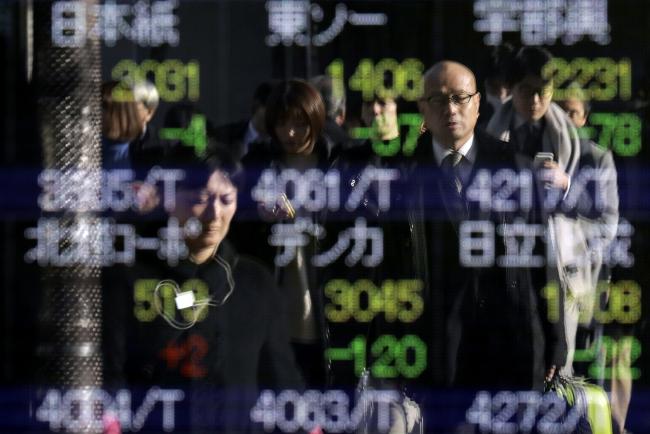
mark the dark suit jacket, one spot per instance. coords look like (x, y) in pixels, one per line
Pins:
(487, 326)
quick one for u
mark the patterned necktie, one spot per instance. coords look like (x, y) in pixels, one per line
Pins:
(451, 167)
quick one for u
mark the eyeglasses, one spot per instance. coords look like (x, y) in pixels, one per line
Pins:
(439, 100)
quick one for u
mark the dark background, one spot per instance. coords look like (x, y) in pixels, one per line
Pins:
(227, 38)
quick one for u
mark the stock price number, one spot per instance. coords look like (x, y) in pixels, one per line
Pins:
(314, 411)
(528, 411)
(392, 357)
(174, 80)
(601, 79)
(148, 292)
(620, 132)
(407, 142)
(194, 136)
(624, 304)
(612, 358)
(387, 78)
(362, 300)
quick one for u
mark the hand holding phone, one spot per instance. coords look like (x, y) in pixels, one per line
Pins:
(541, 158)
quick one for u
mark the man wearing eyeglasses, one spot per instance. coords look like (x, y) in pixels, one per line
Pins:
(482, 322)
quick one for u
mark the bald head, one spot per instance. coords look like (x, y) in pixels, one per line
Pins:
(445, 68)
(450, 103)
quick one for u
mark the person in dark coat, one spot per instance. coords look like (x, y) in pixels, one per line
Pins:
(295, 116)
(485, 324)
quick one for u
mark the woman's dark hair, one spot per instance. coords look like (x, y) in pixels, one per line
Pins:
(295, 100)
(198, 170)
(528, 61)
(120, 120)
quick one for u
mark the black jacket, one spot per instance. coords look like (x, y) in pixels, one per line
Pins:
(483, 326)
(241, 344)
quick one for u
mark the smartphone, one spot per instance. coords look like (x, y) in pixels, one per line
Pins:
(541, 158)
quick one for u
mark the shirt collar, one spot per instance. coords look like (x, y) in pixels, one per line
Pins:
(468, 150)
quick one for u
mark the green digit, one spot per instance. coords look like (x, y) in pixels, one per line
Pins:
(201, 295)
(170, 80)
(602, 316)
(360, 314)
(146, 67)
(358, 348)
(605, 88)
(559, 72)
(627, 135)
(388, 66)
(414, 123)
(126, 71)
(338, 291)
(384, 348)
(412, 70)
(143, 308)
(389, 293)
(583, 70)
(629, 349)
(625, 79)
(194, 135)
(193, 75)
(362, 79)
(167, 293)
(419, 364)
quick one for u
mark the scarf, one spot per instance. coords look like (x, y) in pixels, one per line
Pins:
(560, 135)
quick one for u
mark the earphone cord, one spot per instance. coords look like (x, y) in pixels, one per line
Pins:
(198, 306)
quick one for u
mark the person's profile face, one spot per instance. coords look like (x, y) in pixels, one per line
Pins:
(450, 106)
(213, 205)
(531, 97)
(576, 111)
(294, 135)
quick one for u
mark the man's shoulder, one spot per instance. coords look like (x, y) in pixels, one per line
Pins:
(492, 149)
(593, 155)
